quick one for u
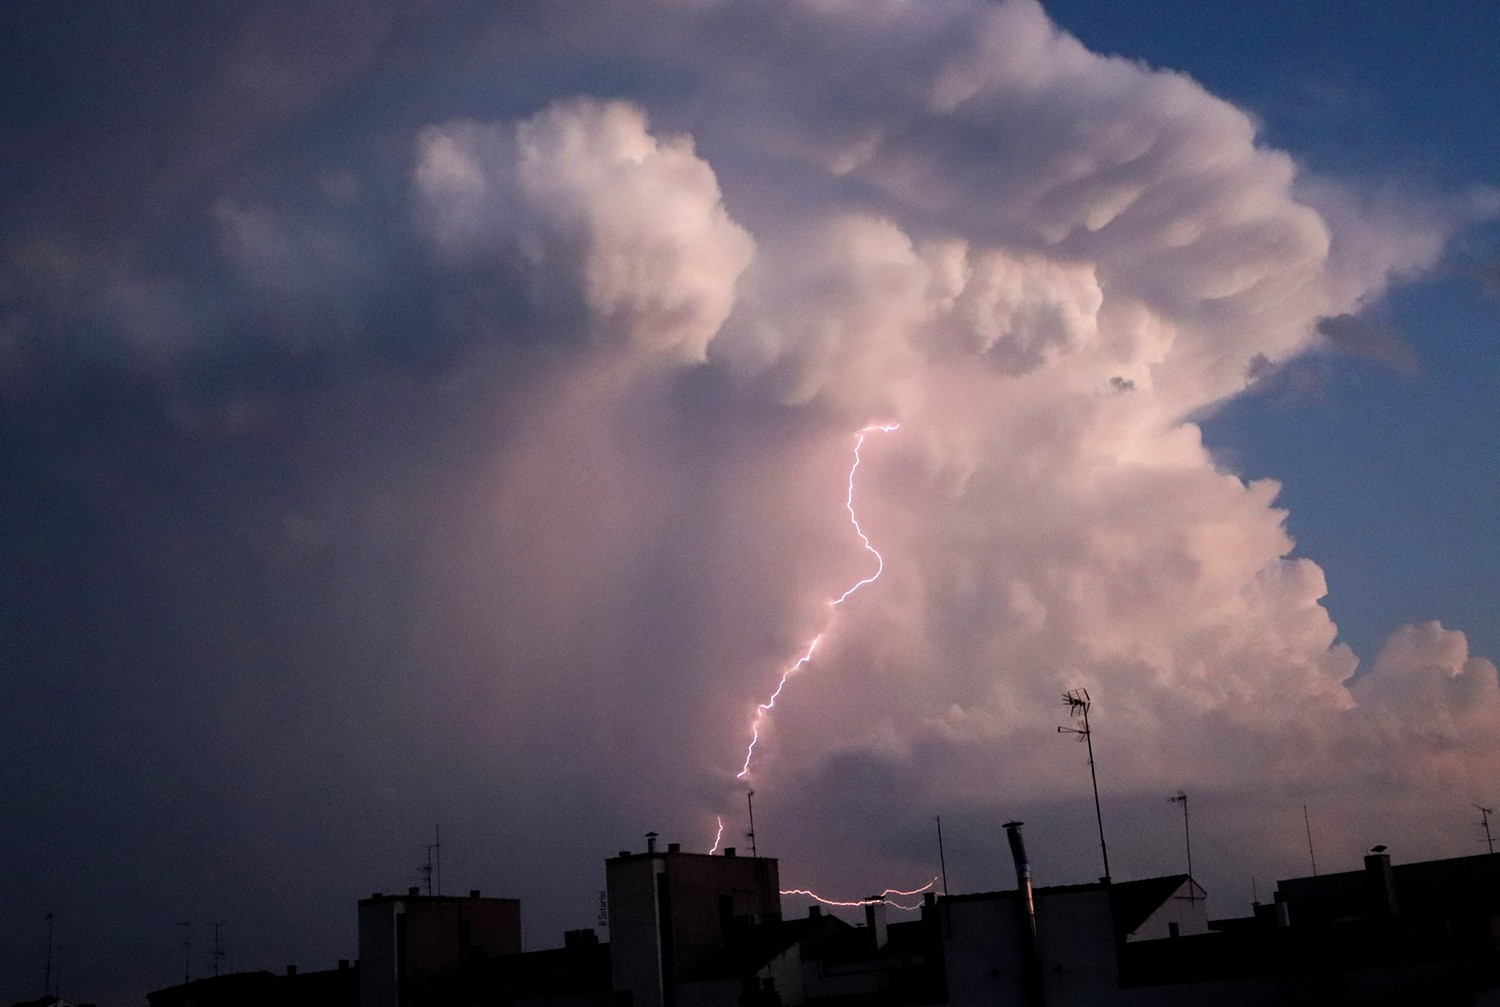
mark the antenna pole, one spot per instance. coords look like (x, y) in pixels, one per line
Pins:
(942, 860)
(218, 952)
(1484, 816)
(49, 971)
(1187, 834)
(1078, 702)
(437, 856)
(187, 950)
(750, 803)
(1307, 824)
(1088, 736)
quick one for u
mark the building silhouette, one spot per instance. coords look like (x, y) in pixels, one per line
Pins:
(412, 946)
(700, 930)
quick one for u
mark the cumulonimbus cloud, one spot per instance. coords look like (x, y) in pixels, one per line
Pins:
(1041, 261)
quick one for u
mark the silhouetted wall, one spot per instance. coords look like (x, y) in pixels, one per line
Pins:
(409, 942)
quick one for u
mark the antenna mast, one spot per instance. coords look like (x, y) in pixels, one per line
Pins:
(437, 856)
(1307, 824)
(1182, 798)
(1484, 816)
(218, 951)
(942, 860)
(50, 970)
(187, 950)
(1077, 701)
(750, 803)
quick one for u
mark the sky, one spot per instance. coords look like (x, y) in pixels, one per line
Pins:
(419, 414)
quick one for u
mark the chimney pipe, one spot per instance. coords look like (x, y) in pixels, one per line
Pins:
(1380, 885)
(650, 842)
(729, 851)
(875, 920)
(1028, 910)
(1023, 874)
(674, 847)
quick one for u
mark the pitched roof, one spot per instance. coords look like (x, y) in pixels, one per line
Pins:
(1133, 902)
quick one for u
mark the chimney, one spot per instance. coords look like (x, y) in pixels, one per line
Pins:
(875, 920)
(343, 964)
(473, 893)
(729, 851)
(814, 912)
(291, 970)
(1023, 874)
(414, 890)
(1380, 885)
(929, 900)
(674, 847)
(650, 842)
(1028, 912)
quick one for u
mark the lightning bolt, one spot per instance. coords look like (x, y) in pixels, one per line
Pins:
(866, 902)
(717, 836)
(764, 708)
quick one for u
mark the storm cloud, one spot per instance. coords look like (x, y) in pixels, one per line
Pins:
(479, 454)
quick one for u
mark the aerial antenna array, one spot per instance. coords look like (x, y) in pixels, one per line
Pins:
(432, 864)
(187, 950)
(218, 948)
(1182, 798)
(1077, 701)
(1484, 819)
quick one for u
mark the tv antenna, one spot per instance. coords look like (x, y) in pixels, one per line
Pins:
(1077, 701)
(1484, 819)
(218, 948)
(1181, 798)
(187, 950)
(432, 865)
(750, 803)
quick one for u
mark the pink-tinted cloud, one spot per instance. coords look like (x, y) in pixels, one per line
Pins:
(1038, 260)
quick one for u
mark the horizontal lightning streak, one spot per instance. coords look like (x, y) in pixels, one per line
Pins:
(866, 902)
(768, 705)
